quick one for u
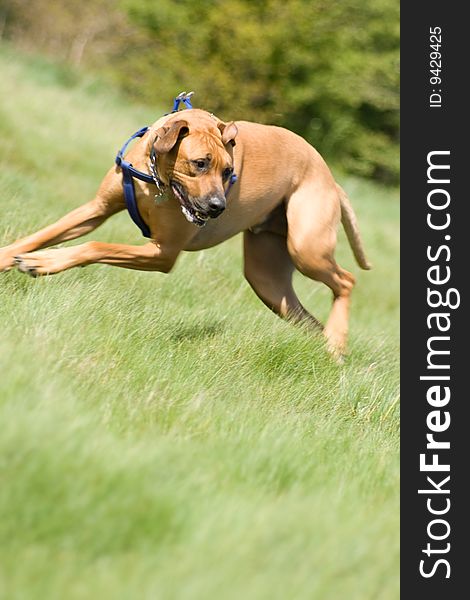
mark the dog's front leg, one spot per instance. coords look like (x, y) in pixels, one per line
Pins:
(150, 257)
(79, 222)
(84, 219)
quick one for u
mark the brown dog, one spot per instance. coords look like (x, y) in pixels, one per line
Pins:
(285, 201)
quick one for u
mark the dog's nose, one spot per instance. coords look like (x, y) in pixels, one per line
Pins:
(216, 205)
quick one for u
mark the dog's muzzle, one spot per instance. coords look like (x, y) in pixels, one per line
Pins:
(198, 211)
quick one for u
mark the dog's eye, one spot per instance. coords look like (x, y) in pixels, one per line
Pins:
(227, 173)
(200, 164)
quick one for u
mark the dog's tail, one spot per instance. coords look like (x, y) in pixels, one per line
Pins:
(349, 221)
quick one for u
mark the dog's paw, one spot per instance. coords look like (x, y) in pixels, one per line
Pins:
(336, 346)
(45, 262)
(23, 266)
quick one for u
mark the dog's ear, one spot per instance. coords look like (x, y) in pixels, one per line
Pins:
(229, 132)
(167, 136)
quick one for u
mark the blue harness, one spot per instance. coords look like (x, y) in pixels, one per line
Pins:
(129, 172)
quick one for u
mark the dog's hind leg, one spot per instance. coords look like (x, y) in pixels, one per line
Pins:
(79, 222)
(269, 269)
(313, 214)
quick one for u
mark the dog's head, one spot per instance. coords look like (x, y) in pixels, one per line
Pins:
(195, 158)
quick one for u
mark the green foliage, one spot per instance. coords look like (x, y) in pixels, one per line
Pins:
(327, 70)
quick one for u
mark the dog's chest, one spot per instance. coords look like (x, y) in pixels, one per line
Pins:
(237, 219)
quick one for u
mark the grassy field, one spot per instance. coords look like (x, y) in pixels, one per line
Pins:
(166, 436)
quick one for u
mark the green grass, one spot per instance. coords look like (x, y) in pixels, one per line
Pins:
(166, 436)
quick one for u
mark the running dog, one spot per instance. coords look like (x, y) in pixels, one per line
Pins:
(284, 200)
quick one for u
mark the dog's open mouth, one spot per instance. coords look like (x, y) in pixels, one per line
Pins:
(189, 211)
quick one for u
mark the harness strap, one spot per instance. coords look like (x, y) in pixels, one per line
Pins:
(185, 98)
(231, 181)
(129, 195)
(128, 174)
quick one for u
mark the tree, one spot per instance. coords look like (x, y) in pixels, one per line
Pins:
(327, 70)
